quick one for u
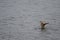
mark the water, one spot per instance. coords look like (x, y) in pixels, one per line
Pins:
(20, 19)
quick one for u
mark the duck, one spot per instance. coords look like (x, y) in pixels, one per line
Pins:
(42, 24)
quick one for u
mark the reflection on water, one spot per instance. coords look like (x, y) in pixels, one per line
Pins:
(43, 29)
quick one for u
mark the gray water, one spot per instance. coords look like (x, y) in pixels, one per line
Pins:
(20, 19)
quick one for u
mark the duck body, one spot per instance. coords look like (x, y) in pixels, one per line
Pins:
(42, 23)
